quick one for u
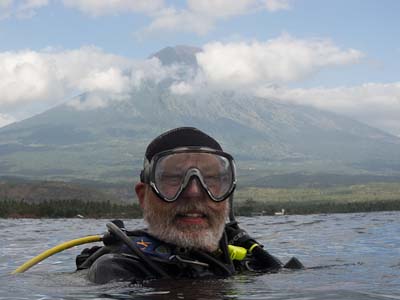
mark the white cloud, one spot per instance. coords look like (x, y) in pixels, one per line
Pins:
(265, 68)
(23, 76)
(201, 16)
(109, 80)
(5, 3)
(376, 104)
(275, 5)
(222, 8)
(114, 7)
(151, 70)
(197, 16)
(5, 120)
(32, 4)
(229, 8)
(48, 76)
(20, 9)
(279, 60)
(171, 19)
(45, 78)
(181, 88)
(159, 9)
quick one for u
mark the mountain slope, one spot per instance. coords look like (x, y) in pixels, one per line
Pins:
(108, 143)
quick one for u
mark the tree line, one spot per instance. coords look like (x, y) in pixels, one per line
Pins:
(67, 209)
(251, 207)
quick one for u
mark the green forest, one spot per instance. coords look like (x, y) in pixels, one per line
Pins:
(381, 196)
(67, 209)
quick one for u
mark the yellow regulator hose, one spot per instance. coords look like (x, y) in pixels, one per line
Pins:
(236, 253)
(63, 246)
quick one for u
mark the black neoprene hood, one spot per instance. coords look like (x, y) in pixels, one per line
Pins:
(181, 137)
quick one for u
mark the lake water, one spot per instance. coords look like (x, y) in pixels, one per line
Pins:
(348, 256)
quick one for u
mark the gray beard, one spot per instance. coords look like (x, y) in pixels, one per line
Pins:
(194, 236)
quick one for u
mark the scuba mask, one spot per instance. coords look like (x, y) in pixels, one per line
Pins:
(170, 172)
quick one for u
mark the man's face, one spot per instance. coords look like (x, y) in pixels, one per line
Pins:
(193, 220)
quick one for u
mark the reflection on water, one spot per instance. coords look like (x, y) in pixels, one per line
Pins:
(349, 256)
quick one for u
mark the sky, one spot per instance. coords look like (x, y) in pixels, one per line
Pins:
(341, 56)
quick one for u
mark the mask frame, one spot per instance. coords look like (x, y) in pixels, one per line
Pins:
(147, 175)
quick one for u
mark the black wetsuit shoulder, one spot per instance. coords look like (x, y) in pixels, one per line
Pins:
(117, 267)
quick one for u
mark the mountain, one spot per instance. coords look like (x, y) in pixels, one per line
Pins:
(178, 55)
(265, 136)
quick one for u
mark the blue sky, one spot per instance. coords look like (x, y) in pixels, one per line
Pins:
(340, 56)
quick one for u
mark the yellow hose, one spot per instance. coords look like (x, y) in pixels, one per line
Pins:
(236, 253)
(66, 245)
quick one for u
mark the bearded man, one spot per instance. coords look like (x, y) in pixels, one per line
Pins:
(184, 189)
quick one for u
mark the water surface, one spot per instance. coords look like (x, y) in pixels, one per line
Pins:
(348, 256)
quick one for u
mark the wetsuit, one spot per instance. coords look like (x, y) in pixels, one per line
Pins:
(116, 262)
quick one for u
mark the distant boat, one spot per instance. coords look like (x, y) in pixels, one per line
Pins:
(79, 216)
(280, 213)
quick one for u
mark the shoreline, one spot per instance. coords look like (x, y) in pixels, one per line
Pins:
(248, 201)
(246, 209)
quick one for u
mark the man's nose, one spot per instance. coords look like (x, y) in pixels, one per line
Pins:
(193, 188)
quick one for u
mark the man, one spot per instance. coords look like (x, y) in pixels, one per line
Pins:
(176, 188)
(184, 189)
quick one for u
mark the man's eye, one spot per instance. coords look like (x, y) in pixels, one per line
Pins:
(212, 179)
(171, 178)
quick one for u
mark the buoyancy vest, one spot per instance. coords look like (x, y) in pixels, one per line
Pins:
(117, 262)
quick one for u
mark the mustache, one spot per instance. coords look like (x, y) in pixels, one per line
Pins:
(191, 206)
(212, 216)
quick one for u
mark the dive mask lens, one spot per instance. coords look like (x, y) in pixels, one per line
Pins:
(173, 171)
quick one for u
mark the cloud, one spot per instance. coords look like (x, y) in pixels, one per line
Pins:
(196, 16)
(276, 5)
(151, 70)
(5, 120)
(159, 9)
(114, 7)
(31, 76)
(20, 9)
(201, 17)
(5, 3)
(171, 19)
(266, 69)
(228, 8)
(223, 8)
(376, 104)
(109, 80)
(5, 8)
(181, 88)
(45, 78)
(23, 76)
(281, 60)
